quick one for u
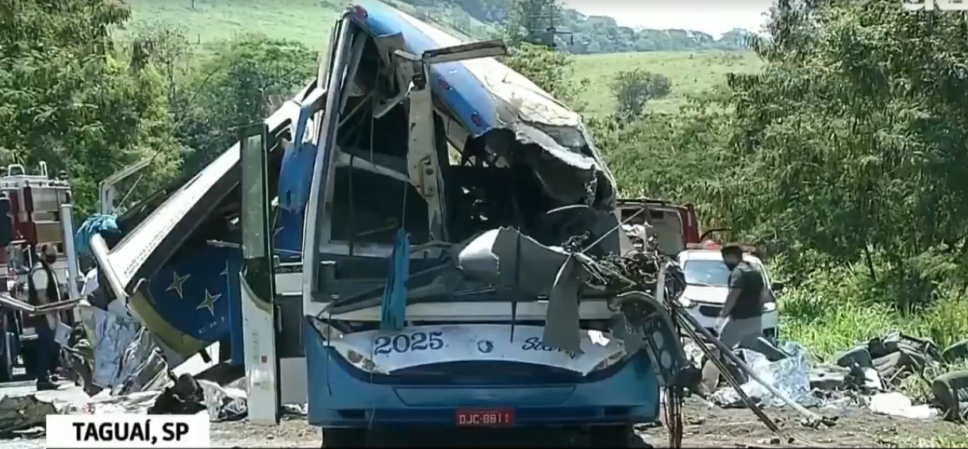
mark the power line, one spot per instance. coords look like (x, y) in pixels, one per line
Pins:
(541, 22)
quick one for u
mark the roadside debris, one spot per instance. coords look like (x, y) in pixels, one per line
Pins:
(790, 375)
(117, 368)
(897, 404)
(866, 375)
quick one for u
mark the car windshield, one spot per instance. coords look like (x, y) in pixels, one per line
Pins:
(710, 272)
(706, 272)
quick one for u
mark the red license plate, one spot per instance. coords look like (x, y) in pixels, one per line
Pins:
(485, 418)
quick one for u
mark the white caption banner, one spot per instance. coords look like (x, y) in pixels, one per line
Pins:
(128, 431)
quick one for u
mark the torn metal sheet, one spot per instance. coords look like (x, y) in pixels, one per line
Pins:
(130, 255)
(790, 376)
(126, 357)
(224, 403)
(514, 103)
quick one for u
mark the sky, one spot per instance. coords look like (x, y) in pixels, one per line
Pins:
(710, 16)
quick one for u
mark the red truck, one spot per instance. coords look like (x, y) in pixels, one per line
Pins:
(35, 209)
(674, 226)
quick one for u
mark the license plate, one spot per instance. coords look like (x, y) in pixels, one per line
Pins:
(485, 418)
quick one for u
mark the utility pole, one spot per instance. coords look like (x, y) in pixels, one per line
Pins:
(541, 16)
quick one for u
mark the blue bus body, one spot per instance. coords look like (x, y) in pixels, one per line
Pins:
(342, 395)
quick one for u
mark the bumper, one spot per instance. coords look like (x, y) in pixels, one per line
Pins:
(341, 395)
(706, 315)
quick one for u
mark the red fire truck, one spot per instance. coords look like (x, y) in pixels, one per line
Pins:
(35, 209)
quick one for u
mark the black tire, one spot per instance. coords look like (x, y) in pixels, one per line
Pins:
(7, 358)
(620, 435)
(344, 437)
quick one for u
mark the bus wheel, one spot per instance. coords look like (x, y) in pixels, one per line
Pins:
(344, 437)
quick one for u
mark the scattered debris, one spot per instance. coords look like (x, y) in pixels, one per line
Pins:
(864, 375)
(23, 412)
(951, 394)
(790, 375)
(897, 404)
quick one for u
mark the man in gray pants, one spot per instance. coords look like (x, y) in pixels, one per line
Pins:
(741, 321)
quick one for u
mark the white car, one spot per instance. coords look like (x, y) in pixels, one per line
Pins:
(707, 286)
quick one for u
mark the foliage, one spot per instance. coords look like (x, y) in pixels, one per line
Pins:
(67, 98)
(844, 156)
(693, 73)
(242, 81)
(634, 88)
(550, 70)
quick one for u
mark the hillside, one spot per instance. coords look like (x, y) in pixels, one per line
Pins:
(308, 21)
(690, 73)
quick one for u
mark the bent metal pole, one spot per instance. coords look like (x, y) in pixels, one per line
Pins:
(812, 417)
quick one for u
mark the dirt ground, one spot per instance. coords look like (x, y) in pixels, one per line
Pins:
(704, 427)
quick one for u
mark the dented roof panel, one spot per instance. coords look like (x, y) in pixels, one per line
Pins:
(484, 87)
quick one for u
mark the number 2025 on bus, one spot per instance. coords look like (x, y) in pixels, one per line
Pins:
(127, 431)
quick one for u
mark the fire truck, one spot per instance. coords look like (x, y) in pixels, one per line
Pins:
(36, 209)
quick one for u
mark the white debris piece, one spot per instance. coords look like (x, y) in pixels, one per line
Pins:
(897, 404)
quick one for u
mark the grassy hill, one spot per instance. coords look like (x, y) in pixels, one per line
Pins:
(690, 73)
(310, 21)
(306, 21)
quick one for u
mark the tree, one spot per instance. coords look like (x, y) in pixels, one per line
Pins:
(634, 88)
(529, 20)
(165, 46)
(239, 85)
(549, 69)
(853, 140)
(68, 99)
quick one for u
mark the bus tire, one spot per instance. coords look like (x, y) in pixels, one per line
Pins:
(342, 437)
(620, 435)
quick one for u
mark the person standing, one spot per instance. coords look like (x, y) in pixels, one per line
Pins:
(43, 288)
(740, 323)
(742, 316)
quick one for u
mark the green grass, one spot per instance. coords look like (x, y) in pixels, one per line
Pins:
(306, 21)
(310, 22)
(690, 73)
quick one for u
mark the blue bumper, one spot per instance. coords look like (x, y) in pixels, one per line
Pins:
(340, 395)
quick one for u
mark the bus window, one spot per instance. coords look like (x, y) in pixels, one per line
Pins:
(369, 207)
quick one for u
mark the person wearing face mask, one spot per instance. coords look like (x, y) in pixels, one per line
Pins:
(740, 322)
(742, 316)
(43, 288)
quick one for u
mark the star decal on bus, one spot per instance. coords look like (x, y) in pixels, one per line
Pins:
(209, 302)
(177, 283)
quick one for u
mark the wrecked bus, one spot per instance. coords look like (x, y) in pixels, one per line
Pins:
(421, 236)
(454, 219)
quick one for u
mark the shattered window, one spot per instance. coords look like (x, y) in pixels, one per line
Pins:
(369, 208)
(567, 136)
